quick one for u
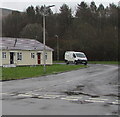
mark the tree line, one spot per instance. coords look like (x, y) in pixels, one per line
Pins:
(92, 30)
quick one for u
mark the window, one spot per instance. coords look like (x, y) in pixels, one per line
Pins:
(80, 55)
(32, 55)
(74, 55)
(19, 56)
(45, 56)
(3, 55)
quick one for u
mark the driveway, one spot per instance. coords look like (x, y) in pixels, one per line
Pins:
(87, 91)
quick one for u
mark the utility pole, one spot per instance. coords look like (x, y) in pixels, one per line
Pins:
(57, 47)
(44, 43)
(44, 13)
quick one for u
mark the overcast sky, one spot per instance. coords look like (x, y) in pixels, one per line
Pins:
(21, 5)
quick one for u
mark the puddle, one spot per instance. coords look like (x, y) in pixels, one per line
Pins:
(113, 95)
(80, 93)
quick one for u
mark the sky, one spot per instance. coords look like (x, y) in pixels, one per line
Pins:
(22, 5)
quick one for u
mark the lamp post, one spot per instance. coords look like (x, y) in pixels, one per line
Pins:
(44, 13)
(57, 47)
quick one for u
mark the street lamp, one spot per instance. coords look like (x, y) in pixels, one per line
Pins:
(57, 47)
(45, 13)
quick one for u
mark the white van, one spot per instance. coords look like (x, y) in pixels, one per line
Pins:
(75, 57)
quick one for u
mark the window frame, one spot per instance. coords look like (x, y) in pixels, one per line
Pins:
(32, 55)
(4, 55)
(19, 56)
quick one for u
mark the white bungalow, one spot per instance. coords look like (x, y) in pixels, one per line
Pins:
(22, 52)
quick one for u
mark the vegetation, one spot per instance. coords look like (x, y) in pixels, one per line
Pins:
(103, 62)
(95, 62)
(35, 71)
(0, 72)
(92, 29)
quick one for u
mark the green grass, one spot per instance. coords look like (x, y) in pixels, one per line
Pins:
(103, 62)
(58, 61)
(0, 72)
(35, 71)
(95, 62)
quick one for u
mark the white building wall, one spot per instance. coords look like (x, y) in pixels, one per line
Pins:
(49, 58)
(5, 61)
(26, 57)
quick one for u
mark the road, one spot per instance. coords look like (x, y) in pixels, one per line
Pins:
(87, 91)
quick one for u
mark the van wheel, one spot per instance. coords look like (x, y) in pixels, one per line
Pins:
(67, 62)
(75, 62)
(85, 63)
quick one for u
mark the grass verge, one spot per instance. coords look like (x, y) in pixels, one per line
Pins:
(35, 71)
(103, 62)
(95, 62)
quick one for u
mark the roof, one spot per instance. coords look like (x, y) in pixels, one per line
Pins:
(21, 44)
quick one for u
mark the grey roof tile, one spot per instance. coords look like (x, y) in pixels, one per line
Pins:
(21, 44)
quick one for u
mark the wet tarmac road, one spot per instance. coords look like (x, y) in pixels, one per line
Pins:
(87, 91)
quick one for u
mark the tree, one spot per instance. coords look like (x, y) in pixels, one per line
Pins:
(65, 18)
(93, 30)
(13, 24)
(93, 7)
(33, 31)
(38, 16)
(31, 14)
(93, 14)
(119, 31)
(101, 10)
(113, 13)
(83, 12)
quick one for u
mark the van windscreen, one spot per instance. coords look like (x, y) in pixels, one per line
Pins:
(80, 55)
